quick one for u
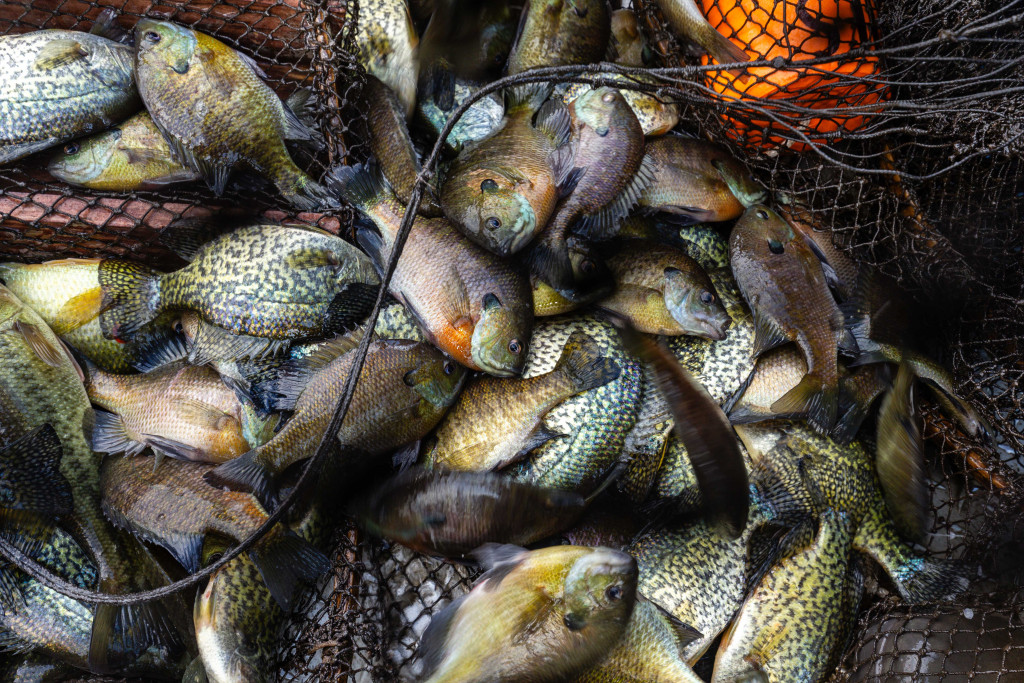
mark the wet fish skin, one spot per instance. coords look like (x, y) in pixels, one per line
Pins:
(784, 283)
(481, 119)
(899, 458)
(497, 421)
(387, 44)
(686, 19)
(481, 314)
(560, 32)
(628, 44)
(216, 112)
(575, 602)
(587, 266)
(656, 116)
(58, 85)
(452, 513)
(132, 156)
(663, 291)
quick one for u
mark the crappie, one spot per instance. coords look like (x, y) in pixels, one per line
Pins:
(67, 295)
(40, 384)
(502, 190)
(452, 513)
(498, 421)
(663, 291)
(132, 156)
(215, 111)
(404, 389)
(30, 478)
(685, 18)
(609, 174)
(181, 411)
(697, 181)
(471, 304)
(784, 283)
(573, 603)
(595, 423)
(256, 289)
(560, 32)
(387, 44)
(57, 85)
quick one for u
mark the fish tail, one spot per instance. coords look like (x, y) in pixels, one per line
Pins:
(582, 363)
(31, 466)
(548, 260)
(301, 191)
(244, 473)
(361, 185)
(813, 397)
(285, 560)
(123, 633)
(131, 297)
(351, 306)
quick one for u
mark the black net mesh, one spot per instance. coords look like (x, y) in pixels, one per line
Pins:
(911, 159)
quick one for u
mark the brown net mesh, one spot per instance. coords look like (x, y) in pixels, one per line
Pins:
(909, 155)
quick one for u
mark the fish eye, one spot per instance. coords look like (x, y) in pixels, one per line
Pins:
(587, 267)
(762, 214)
(515, 347)
(488, 185)
(707, 298)
(776, 247)
(601, 131)
(409, 379)
(448, 367)
(493, 223)
(71, 148)
(613, 593)
(608, 97)
(153, 36)
(178, 326)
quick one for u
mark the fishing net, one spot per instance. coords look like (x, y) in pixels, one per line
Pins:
(901, 137)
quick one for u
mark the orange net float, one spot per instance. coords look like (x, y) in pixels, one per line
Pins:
(810, 100)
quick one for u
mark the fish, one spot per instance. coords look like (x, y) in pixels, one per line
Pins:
(782, 279)
(450, 513)
(696, 181)
(817, 473)
(483, 117)
(663, 291)
(595, 423)
(471, 304)
(391, 145)
(40, 383)
(216, 113)
(67, 295)
(256, 289)
(588, 266)
(847, 271)
(499, 421)
(466, 39)
(650, 651)
(403, 391)
(387, 47)
(790, 625)
(502, 190)
(179, 411)
(899, 458)
(30, 478)
(58, 85)
(573, 602)
(609, 525)
(628, 44)
(609, 174)
(560, 32)
(131, 156)
(655, 115)
(173, 506)
(686, 19)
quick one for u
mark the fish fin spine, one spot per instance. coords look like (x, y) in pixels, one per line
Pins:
(581, 361)
(285, 560)
(244, 473)
(131, 297)
(811, 397)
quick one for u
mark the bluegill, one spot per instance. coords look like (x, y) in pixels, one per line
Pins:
(560, 32)
(685, 18)
(587, 266)
(58, 85)
(575, 603)
(657, 116)
(215, 111)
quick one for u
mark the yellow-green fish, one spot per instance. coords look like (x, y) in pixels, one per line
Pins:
(535, 616)
(404, 389)
(387, 44)
(255, 289)
(30, 478)
(587, 266)
(661, 290)
(560, 32)
(215, 111)
(57, 85)
(131, 156)
(686, 19)
(497, 421)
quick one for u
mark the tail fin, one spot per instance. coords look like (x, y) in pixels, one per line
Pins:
(303, 192)
(351, 306)
(813, 398)
(532, 95)
(245, 474)
(121, 634)
(900, 458)
(31, 478)
(548, 260)
(131, 297)
(158, 348)
(361, 185)
(583, 364)
(285, 560)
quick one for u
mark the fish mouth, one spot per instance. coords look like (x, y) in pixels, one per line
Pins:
(716, 329)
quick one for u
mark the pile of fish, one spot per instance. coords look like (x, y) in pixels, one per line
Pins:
(601, 343)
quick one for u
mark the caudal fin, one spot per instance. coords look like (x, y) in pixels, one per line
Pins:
(31, 480)
(131, 297)
(811, 397)
(286, 560)
(303, 192)
(583, 364)
(245, 474)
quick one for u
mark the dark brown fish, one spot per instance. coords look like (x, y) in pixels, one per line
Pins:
(560, 32)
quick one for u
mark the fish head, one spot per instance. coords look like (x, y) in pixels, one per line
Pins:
(763, 233)
(163, 45)
(589, 268)
(81, 161)
(741, 183)
(500, 338)
(694, 304)
(501, 219)
(600, 588)
(627, 37)
(436, 378)
(602, 110)
(226, 650)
